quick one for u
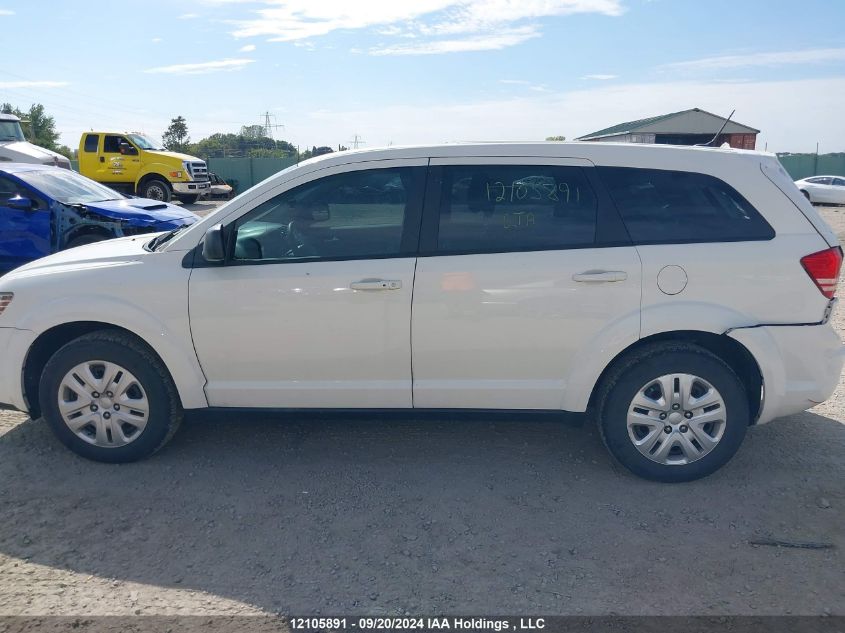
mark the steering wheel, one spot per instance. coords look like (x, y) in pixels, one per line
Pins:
(299, 245)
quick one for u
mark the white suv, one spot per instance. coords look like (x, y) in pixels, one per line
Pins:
(678, 294)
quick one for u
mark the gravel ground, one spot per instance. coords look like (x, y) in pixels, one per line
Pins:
(368, 516)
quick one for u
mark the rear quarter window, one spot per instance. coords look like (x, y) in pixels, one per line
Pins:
(663, 207)
(91, 142)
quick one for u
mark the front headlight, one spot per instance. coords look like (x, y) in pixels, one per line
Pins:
(5, 300)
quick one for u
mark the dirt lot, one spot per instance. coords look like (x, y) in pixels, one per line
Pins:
(365, 516)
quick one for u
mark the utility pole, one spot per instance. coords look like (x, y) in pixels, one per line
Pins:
(356, 141)
(269, 127)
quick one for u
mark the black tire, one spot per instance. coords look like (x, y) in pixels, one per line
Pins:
(156, 189)
(188, 199)
(165, 410)
(632, 372)
(807, 195)
(90, 238)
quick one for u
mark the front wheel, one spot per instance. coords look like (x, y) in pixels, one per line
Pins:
(188, 199)
(109, 398)
(673, 412)
(155, 189)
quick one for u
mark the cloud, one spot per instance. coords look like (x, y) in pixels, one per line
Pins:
(187, 16)
(486, 42)
(444, 26)
(514, 82)
(155, 40)
(11, 85)
(247, 49)
(600, 77)
(202, 67)
(6, 12)
(781, 58)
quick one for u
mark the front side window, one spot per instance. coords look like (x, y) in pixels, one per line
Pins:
(496, 208)
(661, 206)
(111, 143)
(357, 214)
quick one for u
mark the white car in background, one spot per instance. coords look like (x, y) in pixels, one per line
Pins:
(823, 189)
(678, 295)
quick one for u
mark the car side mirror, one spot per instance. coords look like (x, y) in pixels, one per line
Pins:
(21, 203)
(213, 246)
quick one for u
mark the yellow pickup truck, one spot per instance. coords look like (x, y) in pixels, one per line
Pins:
(134, 163)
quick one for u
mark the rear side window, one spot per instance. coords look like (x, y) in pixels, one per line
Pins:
(661, 206)
(495, 208)
(91, 142)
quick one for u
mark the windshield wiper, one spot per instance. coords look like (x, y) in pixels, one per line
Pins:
(164, 238)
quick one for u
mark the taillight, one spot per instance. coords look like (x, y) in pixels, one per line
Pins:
(823, 268)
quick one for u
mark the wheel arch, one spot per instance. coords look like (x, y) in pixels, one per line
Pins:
(734, 353)
(152, 175)
(87, 229)
(189, 390)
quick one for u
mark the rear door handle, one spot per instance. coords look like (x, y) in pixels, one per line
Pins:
(376, 284)
(601, 276)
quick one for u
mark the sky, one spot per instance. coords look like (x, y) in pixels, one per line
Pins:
(427, 71)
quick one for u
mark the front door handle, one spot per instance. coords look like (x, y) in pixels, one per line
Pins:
(601, 276)
(376, 284)
(102, 159)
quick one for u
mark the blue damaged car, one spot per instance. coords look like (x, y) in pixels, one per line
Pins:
(46, 209)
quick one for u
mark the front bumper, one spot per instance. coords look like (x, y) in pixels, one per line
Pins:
(801, 365)
(191, 188)
(14, 346)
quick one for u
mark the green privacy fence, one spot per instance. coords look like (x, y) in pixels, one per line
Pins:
(802, 165)
(243, 173)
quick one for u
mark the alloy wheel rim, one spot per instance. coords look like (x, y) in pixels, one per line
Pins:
(103, 404)
(676, 419)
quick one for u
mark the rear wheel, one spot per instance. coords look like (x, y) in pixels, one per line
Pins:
(673, 412)
(155, 189)
(188, 199)
(109, 398)
(806, 195)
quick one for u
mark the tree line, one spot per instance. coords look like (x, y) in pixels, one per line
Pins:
(250, 142)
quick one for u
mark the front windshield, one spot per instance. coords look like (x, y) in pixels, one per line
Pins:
(143, 142)
(68, 187)
(11, 131)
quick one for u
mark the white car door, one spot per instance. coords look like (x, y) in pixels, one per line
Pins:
(525, 278)
(312, 306)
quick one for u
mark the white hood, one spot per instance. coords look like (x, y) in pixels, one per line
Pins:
(23, 152)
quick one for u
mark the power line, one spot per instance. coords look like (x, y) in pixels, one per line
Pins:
(357, 141)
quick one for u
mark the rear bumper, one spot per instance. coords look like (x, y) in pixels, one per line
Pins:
(801, 365)
(14, 345)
